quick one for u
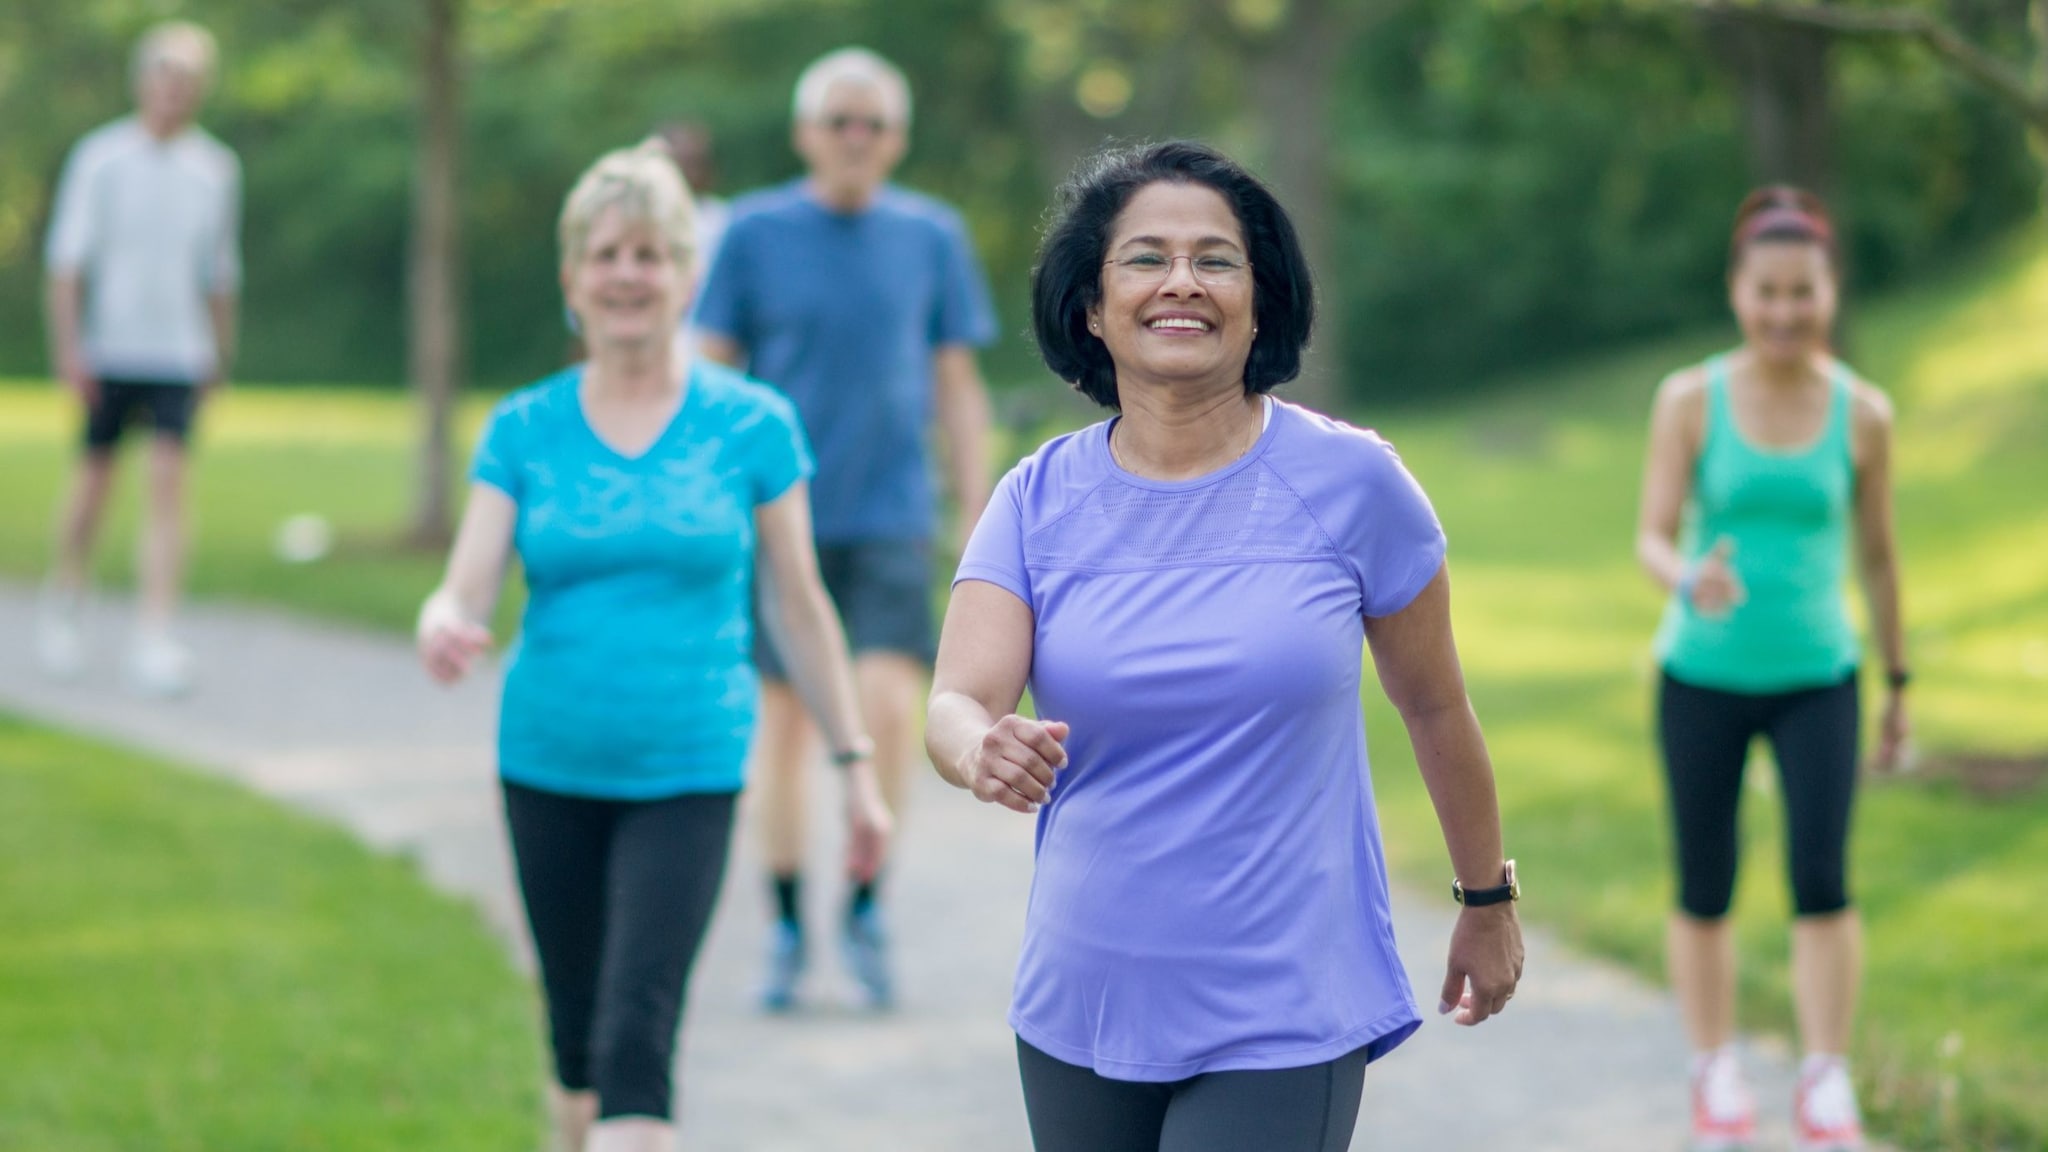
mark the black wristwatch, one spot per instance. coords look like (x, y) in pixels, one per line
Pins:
(1898, 678)
(1481, 897)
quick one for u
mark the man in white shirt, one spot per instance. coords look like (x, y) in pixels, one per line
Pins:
(143, 269)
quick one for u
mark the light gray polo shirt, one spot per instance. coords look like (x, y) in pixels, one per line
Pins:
(151, 225)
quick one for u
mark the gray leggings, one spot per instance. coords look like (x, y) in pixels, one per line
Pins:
(1075, 1109)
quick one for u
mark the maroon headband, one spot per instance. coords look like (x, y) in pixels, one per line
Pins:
(1788, 218)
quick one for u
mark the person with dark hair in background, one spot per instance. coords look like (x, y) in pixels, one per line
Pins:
(1187, 589)
(688, 144)
(865, 304)
(637, 490)
(144, 271)
(1762, 462)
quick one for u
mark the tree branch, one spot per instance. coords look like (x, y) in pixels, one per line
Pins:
(2000, 78)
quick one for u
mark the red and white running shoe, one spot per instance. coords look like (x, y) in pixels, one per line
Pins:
(1824, 1115)
(1723, 1111)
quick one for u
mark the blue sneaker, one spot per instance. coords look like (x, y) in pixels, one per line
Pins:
(787, 959)
(866, 948)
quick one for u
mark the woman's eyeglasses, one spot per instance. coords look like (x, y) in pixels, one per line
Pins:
(1154, 267)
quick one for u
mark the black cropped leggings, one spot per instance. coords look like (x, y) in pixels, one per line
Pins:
(618, 893)
(1076, 1109)
(1706, 734)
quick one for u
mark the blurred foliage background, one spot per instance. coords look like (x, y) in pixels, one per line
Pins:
(1490, 184)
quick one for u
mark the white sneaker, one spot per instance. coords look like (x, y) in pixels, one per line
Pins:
(60, 641)
(1824, 1113)
(160, 666)
(1723, 1110)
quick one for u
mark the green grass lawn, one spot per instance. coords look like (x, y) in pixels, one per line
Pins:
(1536, 482)
(1537, 488)
(185, 966)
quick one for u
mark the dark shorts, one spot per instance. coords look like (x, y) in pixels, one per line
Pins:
(883, 590)
(166, 406)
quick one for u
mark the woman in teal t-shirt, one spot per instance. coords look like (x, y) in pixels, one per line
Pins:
(1762, 465)
(636, 490)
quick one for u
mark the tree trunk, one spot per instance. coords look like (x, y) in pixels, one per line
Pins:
(1290, 79)
(2040, 24)
(2037, 14)
(434, 275)
(2038, 21)
(1782, 70)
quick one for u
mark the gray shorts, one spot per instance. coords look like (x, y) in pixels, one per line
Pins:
(883, 590)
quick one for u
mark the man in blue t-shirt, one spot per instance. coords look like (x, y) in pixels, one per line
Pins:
(864, 303)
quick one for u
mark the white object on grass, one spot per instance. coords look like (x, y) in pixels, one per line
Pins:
(303, 538)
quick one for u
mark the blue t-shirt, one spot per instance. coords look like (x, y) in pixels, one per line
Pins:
(632, 678)
(843, 312)
(1210, 891)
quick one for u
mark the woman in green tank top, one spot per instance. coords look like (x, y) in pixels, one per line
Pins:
(1768, 470)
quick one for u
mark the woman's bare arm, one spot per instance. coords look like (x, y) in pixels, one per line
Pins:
(1417, 659)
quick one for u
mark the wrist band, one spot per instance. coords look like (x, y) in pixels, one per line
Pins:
(1688, 576)
(847, 758)
(1898, 678)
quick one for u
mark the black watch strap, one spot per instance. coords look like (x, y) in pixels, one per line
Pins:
(1898, 678)
(1481, 897)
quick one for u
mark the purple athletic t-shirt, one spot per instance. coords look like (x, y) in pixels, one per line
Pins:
(1210, 891)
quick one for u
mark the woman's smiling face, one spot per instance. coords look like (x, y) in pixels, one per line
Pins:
(627, 285)
(1783, 294)
(1176, 288)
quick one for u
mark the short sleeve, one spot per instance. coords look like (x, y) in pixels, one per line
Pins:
(995, 551)
(71, 238)
(965, 315)
(722, 305)
(778, 455)
(1396, 544)
(499, 451)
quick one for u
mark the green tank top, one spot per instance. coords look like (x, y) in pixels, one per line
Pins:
(1787, 514)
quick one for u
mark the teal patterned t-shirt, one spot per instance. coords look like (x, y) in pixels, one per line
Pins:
(631, 679)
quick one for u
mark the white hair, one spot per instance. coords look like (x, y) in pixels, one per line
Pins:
(641, 183)
(180, 44)
(856, 66)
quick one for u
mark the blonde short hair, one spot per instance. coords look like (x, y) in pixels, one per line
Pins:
(856, 66)
(643, 184)
(179, 43)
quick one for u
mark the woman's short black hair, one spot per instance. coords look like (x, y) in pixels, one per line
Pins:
(1067, 279)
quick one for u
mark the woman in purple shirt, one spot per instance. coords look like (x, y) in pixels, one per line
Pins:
(1186, 589)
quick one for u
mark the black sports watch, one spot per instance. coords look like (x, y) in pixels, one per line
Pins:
(1898, 678)
(1481, 897)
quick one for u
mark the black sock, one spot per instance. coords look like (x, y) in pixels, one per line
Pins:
(863, 897)
(788, 889)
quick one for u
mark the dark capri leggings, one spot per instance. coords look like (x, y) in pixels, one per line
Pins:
(1075, 1109)
(1706, 735)
(618, 894)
